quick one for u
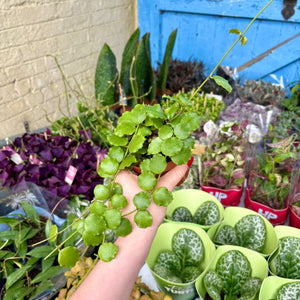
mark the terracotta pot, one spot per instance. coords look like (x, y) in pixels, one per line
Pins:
(170, 166)
(230, 197)
(275, 216)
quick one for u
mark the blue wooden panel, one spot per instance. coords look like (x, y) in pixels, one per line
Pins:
(203, 34)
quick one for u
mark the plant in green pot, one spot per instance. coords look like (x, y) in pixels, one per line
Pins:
(194, 206)
(223, 162)
(246, 228)
(233, 273)
(268, 184)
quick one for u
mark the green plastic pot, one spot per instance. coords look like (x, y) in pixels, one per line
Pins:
(233, 214)
(281, 231)
(192, 199)
(258, 264)
(271, 285)
(163, 241)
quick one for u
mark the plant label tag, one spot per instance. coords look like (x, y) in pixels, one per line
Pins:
(71, 173)
(34, 160)
(15, 157)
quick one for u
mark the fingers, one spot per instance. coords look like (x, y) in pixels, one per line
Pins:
(171, 178)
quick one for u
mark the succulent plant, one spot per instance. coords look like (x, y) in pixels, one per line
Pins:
(261, 92)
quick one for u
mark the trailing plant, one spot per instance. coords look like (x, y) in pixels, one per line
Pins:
(23, 266)
(231, 278)
(286, 260)
(207, 214)
(207, 107)
(289, 291)
(147, 137)
(137, 79)
(182, 264)
(249, 232)
(261, 92)
(93, 122)
(44, 160)
(269, 178)
(224, 159)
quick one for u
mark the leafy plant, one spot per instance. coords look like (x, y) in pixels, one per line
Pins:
(44, 160)
(286, 260)
(292, 103)
(23, 266)
(182, 264)
(261, 92)
(208, 108)
(289, 291)
(207, 214)
(231, 278)
(249, 232)
(269, 178)
(224, 160)
(137, 79)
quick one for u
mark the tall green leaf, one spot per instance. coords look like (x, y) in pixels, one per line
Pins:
(162, 77)
(144, 74)
(128, 53)
(106, 76)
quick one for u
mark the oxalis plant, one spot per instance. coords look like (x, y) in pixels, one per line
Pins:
(231, 279)
(148, 137)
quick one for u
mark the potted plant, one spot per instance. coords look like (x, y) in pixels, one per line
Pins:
(294, 198)
(223, 163)
(178, 255)
(194, 206)
(233, 273)
(268, 184)
(245, 228)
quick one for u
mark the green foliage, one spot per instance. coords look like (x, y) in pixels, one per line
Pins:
(286, 260)
(28, 270)
(290, 291)
(208, 108)
(269, 179)
(206, 214)
(231, 278)
(249, 232)
(182, 263)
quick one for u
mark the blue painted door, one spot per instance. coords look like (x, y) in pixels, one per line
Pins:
(271, 53)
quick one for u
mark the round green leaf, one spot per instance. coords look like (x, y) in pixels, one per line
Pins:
(158, 164)
(68, 257)
(162, 196)
(124, 128)
(118, 201)
(145, 165)
(154, 146)
(112, 218)
(101, 192)
(136, 143)
(182, 130)
(98, 208)
(171, 146)
(143, 219)
(107, 251)
(108, 166)
(115, 188)
(116, 153)
(124, 228)
(94, 224)
(117, 141)
(92, 239)
(142, 200)
(165, 132)
(147, 181)
(182, 157)
(127, 161)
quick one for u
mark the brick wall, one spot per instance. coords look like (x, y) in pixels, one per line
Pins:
(73, 31)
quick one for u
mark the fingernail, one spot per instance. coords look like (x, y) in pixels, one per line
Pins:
(190, 161)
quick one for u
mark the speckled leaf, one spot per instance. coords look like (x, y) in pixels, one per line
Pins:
(169, 260)
(182, 214)
(190, 274)
(250, 288)
(188, 246)
(226, 236)
(287, 261)
(251, 232)
(213, 285)
(289, 291)
(166, 273)
(234, 269)
(207, 214)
